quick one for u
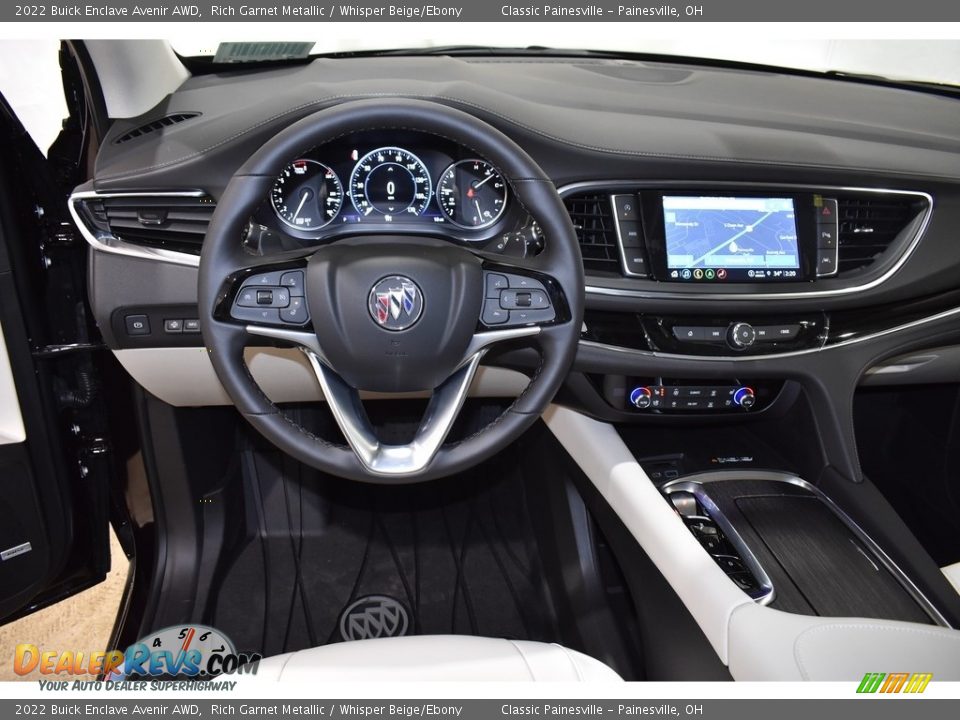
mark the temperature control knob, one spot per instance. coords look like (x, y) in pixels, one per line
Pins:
(744, 397)
(742, 335)
(641, 397)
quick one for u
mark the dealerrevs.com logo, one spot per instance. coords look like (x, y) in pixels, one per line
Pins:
(195, 652)
(891, 683)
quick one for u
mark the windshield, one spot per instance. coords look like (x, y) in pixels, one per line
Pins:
(932, 61)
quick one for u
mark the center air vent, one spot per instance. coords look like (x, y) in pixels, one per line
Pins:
(592, 218)
(171, 222)
(154, 126)
(868, 224)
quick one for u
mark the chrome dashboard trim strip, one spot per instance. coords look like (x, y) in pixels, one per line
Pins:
(613, 185)
(109, 243)
(908, 584)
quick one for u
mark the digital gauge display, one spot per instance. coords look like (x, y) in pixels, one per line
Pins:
(390, 182)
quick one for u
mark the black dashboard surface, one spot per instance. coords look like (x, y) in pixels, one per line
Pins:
(629, 115)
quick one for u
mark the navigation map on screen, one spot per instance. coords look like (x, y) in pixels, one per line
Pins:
(731, 233)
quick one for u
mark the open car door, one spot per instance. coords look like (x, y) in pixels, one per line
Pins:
(55, 448)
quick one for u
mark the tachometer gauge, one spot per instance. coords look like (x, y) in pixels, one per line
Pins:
(472, 193)
(307, 195)
(390, 182)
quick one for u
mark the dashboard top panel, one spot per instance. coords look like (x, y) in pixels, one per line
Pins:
(630, 114)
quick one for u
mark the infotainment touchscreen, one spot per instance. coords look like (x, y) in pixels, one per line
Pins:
(730, 238)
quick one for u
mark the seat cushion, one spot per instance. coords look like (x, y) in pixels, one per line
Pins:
(437, 657)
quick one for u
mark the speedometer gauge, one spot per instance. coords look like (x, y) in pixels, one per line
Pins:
(391, 182)
(472, 193)
(307, 195)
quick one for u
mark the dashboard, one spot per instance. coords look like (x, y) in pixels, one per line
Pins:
(738, 229)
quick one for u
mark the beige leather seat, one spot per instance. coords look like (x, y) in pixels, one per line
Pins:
(437, 657)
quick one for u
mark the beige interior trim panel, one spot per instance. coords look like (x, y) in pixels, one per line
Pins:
(11, 420)
(953, 575)
(754, 641)
(185, 377)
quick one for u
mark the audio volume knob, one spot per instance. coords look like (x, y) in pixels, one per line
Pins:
(641, 397)
(744, 397)
(742, 335)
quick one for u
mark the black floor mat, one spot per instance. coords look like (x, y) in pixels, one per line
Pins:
(456, 556)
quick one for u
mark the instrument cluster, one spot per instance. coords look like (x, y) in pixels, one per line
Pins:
(397, 182)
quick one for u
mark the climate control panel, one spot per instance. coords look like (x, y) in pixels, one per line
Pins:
(703, 398)
(689, 396)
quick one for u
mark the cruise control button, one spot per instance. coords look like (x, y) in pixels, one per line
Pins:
(255, 314)
(688, 333)
(522, 317)
(295, 312)
(534, 299)
(137, 324)
(173, 326)
(630, 235)
(496, 283)
(493, 314)
(293, 281)
(628, 207)
(247, 297)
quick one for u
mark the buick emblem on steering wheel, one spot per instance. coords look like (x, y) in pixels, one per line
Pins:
(395, 303)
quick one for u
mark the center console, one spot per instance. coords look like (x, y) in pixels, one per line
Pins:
(786, 544)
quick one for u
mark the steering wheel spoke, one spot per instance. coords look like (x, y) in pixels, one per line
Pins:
(395, 460)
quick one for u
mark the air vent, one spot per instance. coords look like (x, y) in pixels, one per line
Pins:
(168, 222)
(868, 225)
(593, 220)
(155, 125)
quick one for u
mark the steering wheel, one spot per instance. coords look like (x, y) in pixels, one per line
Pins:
(391, 313)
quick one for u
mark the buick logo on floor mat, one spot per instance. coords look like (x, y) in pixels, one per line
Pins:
(374, 616)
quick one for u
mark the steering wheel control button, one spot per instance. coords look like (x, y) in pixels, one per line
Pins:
(137, 324)
(263, 297)
(256, 314)
(293, 281)
(295, 312)
(495, 283)
(395, 303)
(742, 335)
(533, 299)
(524, 317)
(263, 279)
(173, 326)
(493, 314)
